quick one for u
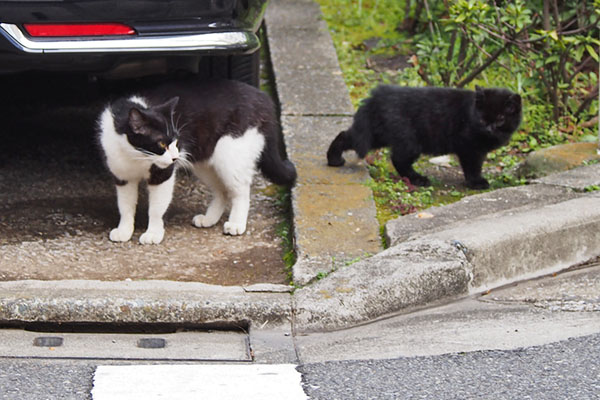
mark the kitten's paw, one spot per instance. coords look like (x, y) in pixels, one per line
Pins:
(152, 237)
(478, 184)
(420, 180)
(202, 221)
(120, 235)
(234, 229)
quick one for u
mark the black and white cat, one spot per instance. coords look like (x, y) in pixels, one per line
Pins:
(223, 131)
(436, 121)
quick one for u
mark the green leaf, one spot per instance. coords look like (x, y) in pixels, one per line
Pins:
(551, 59)
(592, 52)
(460, 18)
(533, 142)
(578, 54)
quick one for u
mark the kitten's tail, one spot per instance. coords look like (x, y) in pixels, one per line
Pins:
(273, 167)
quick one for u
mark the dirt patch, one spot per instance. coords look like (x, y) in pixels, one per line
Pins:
(57, 206)
(382, 63)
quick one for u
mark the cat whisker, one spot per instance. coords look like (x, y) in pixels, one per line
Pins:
(141, 155)
(178, 128)
(185, 165)
(142, 158)
(145, 153)
(183, 161)
(176, 122)
(171, 129)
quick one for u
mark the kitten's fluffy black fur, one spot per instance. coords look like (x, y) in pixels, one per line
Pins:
(435, 121)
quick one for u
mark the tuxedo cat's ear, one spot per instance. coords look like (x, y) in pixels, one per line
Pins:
(137, 121)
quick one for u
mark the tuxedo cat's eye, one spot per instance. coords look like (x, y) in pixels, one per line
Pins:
(162, 145)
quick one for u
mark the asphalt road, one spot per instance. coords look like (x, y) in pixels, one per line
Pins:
(45, 380)
(564, 370)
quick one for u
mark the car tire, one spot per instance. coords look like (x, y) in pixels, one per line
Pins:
(244, 68)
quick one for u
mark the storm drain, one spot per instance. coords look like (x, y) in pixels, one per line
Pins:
(110, 342)
(47, 341)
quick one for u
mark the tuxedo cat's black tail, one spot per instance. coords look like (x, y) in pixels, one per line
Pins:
(272, 166)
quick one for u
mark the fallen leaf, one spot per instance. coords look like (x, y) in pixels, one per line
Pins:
(424, 215)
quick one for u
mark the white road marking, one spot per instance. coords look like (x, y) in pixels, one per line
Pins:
(207, 381)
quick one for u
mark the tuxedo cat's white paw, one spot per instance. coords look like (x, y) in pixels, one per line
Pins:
(120, 234)
(202, 221)
(234, 229)
(152, 237)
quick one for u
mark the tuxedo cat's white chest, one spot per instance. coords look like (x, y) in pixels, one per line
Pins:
(122, 159)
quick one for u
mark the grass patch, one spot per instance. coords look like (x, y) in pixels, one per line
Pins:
(361, 31)
(285, 227)
(281, 195)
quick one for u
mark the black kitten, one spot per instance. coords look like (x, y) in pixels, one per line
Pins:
(436, 121)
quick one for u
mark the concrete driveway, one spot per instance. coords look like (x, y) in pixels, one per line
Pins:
(58, 204)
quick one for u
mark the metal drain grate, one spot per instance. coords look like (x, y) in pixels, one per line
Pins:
(48, 341)
(152, 343)
(131, 342)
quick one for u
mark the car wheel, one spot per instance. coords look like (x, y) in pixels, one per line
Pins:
(244, 68)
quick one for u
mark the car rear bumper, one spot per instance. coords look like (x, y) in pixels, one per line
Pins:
(211, 42)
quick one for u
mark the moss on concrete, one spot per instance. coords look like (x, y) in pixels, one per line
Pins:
(557, 159)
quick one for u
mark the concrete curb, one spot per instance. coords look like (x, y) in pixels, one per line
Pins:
(334, 214)
(144, 302)
(529, 244)
(453, 263)
(410, 274)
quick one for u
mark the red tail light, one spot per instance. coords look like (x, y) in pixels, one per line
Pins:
(69, 30)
